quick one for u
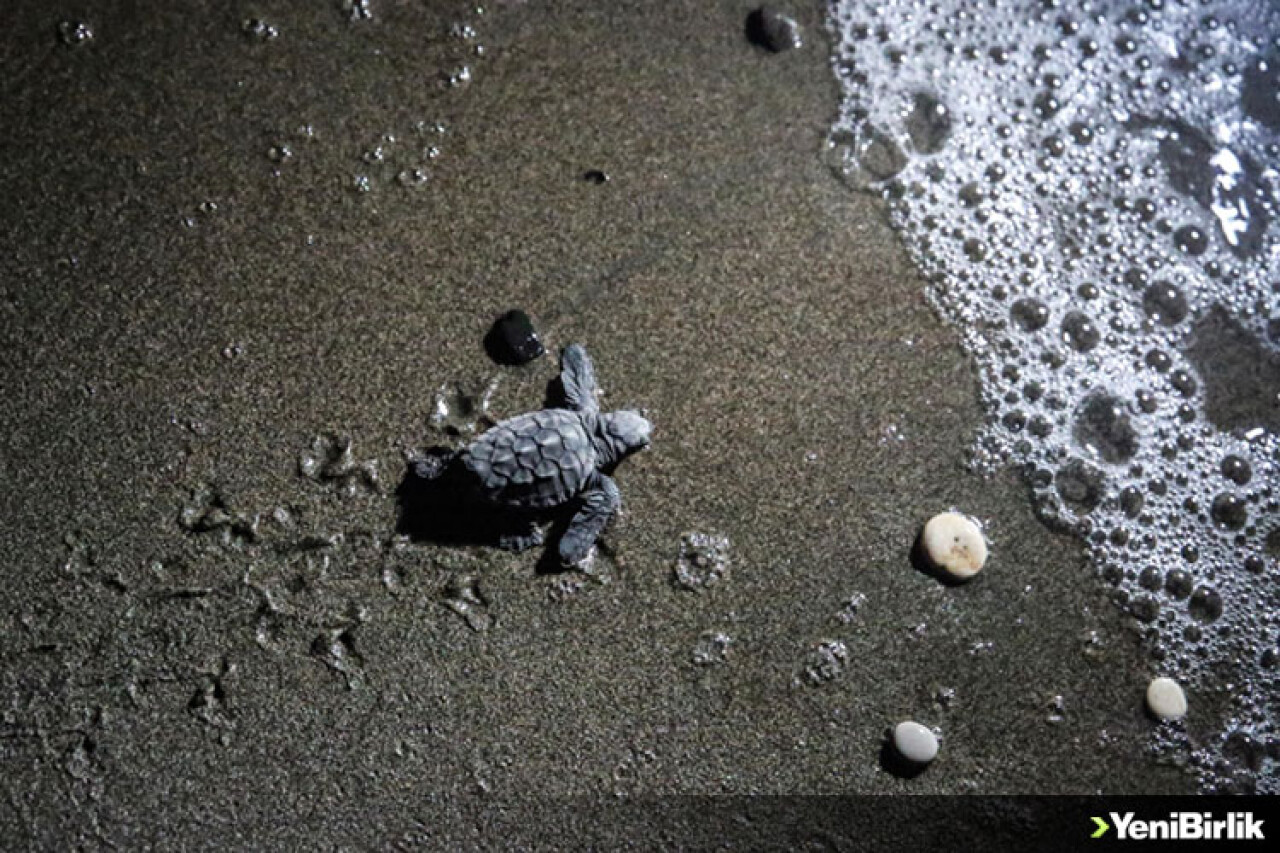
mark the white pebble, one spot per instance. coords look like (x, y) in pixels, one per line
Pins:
(954, 544)
(1166, 700)
(915, 743)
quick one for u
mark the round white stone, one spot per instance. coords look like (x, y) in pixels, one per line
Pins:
(954, 544)
(1166, 700)
(914, 742)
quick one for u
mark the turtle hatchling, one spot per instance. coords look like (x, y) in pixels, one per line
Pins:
(544, 459)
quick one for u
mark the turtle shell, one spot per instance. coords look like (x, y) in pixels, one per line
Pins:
(536, 460)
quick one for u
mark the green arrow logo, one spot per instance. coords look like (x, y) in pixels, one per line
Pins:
(1102, 828)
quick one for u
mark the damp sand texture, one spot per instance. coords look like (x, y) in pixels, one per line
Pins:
(232, 304)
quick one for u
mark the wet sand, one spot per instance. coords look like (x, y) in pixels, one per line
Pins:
(165, 676)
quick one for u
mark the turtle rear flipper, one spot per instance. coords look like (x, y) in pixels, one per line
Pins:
(600, 500)
(522, 539)
(578, 378)
(429, 468)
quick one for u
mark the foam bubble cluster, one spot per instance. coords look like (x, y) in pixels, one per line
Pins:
(1090, 189)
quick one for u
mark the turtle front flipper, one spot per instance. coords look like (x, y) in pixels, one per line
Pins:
(578, 377)
(600, 500)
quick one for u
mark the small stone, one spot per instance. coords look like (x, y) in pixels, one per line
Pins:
(826, 662)
(772, 30)
(954, 544)
(1165, 699)
(712, 648)
(74, 33)
(512, 340)
(258, 29)
(915, 743)
(595, 176)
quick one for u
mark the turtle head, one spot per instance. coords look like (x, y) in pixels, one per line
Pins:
(619, 434)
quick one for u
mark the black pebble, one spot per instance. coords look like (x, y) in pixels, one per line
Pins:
(772, 30)
(512, 340)
(594, 176)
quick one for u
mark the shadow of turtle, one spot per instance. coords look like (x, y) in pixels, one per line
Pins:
(549, 562)
(434, 507)
(554, 395)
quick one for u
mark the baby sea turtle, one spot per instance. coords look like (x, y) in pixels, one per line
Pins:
(540, 460)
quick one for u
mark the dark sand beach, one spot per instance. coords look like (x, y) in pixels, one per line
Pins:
(200, 644)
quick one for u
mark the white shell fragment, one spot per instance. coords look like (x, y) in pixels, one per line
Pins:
(914, 742)
(1165, 699)
(954, 543)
